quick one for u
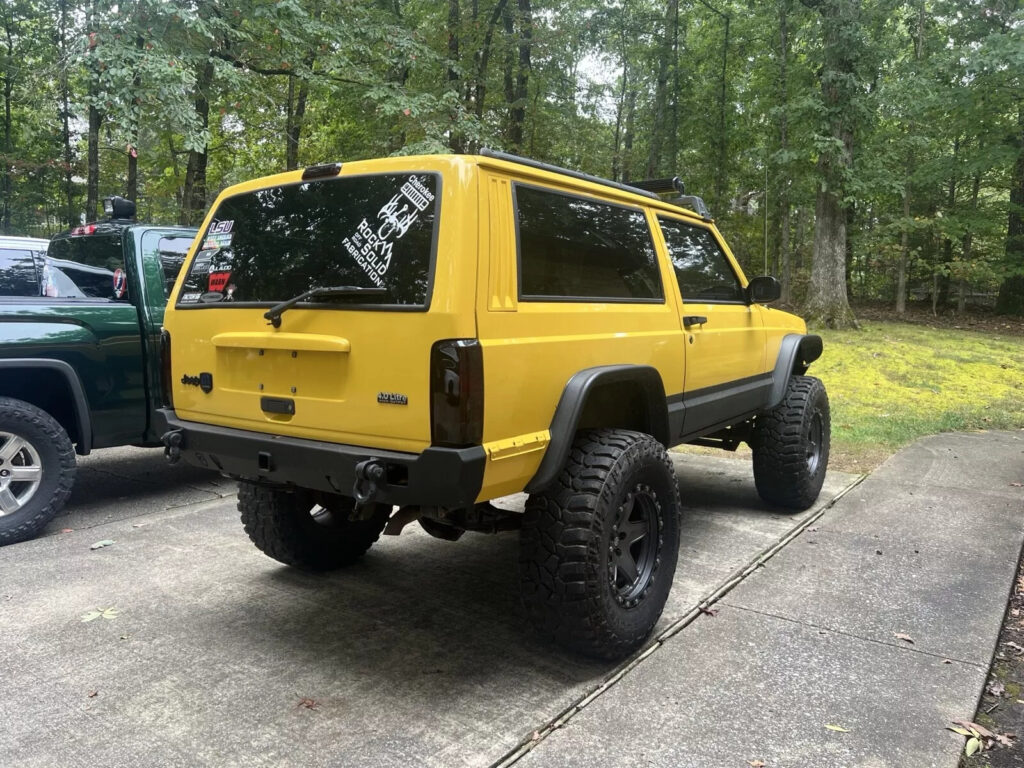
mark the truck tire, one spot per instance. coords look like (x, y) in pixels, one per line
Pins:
(292, 528)
(37, 469)
(791, 444)
(599, 545)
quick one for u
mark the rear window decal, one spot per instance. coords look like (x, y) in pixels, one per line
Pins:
(372, 250)
(221, 227)
(219, 280)
(190, 298)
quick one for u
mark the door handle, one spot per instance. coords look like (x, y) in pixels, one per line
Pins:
(689, 320)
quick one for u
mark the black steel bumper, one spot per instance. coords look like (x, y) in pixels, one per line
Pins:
(444, 477)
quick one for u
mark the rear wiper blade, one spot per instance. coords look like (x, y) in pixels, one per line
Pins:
(274, 313)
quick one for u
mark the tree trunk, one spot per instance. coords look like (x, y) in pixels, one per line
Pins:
(92, 184)
(455, 138)
(1011, 292)
(193, 204)
(627, 139)
(65, 114)
(517, 114)
(782, 193)
(656, 165)
(8, 158)
(901, 267)
(827, 302)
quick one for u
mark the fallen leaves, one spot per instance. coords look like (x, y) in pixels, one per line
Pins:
(904, 637)
(979, 738)
(106, 613)
(102, 544)
(756, 763)
(307, 703)
(839, 728)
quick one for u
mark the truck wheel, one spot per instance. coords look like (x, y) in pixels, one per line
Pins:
(598, 547)
(291, 527)
(791, 443)
(37, 469)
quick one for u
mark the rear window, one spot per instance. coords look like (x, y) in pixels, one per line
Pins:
(579, 249)
(272, 244)
(86, 267)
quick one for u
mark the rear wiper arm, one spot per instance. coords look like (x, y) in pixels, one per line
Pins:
(274, 313)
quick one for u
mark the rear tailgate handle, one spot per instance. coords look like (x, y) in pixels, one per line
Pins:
(305, 342)
(689, 320)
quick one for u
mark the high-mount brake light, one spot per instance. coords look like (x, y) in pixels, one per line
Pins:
(321, 171)
(456, 392)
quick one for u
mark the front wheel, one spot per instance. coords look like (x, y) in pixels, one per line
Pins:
(37, 469)
(791, 445)
(598, 547)
(309, 531)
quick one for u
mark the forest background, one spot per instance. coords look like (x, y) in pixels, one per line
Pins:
(865, 149)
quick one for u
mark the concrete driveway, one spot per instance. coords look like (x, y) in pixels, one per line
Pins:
(419, 655)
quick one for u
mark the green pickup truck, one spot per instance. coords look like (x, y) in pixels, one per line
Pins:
(80, 323)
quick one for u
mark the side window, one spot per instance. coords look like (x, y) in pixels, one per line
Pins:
(168, 250)
(579, 249)
(85, 267)
(18, 273)
(702, 269)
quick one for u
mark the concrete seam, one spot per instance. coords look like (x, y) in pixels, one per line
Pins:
(824, 629)
(562, 718)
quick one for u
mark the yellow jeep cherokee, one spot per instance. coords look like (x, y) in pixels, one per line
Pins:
(432, 333)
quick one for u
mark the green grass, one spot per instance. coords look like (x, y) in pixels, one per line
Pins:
(890, 383)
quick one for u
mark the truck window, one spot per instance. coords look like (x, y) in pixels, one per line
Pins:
(169, 250)
(86, 267)
(19, 275)
(579, 249)
(702, 269)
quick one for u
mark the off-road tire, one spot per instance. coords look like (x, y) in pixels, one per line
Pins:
(44, 441)
(573, 591)
(292, 528)
(791, 445)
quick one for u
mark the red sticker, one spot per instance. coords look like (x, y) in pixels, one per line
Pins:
(218, 280)
(120, 283)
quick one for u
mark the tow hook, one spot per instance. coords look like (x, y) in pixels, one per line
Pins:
(172, 445)
(368, 474)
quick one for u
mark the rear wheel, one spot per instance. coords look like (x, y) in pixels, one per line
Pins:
(599, 546)
(791, 445)
(307, 530)
(37, 469)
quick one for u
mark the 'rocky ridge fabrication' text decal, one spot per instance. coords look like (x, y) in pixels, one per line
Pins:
(371, 248)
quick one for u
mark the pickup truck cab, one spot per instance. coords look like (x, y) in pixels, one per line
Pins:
(80, 323)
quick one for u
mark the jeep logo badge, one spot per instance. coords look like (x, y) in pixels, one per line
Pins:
(392, 398)
(204, 381)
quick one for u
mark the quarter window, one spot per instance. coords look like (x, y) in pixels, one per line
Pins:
(19, 275)
(579, 249)
(702, 269)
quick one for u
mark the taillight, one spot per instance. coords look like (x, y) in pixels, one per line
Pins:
(165, 369)
(456, 392)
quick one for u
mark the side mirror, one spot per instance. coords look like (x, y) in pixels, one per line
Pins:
(763, 290)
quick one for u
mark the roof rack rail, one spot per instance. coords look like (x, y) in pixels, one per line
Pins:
(487, 152)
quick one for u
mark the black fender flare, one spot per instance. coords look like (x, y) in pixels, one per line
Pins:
(796, 353)
(574, 399)
(81, 404)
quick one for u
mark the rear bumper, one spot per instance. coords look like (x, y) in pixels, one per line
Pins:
(444, 477)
